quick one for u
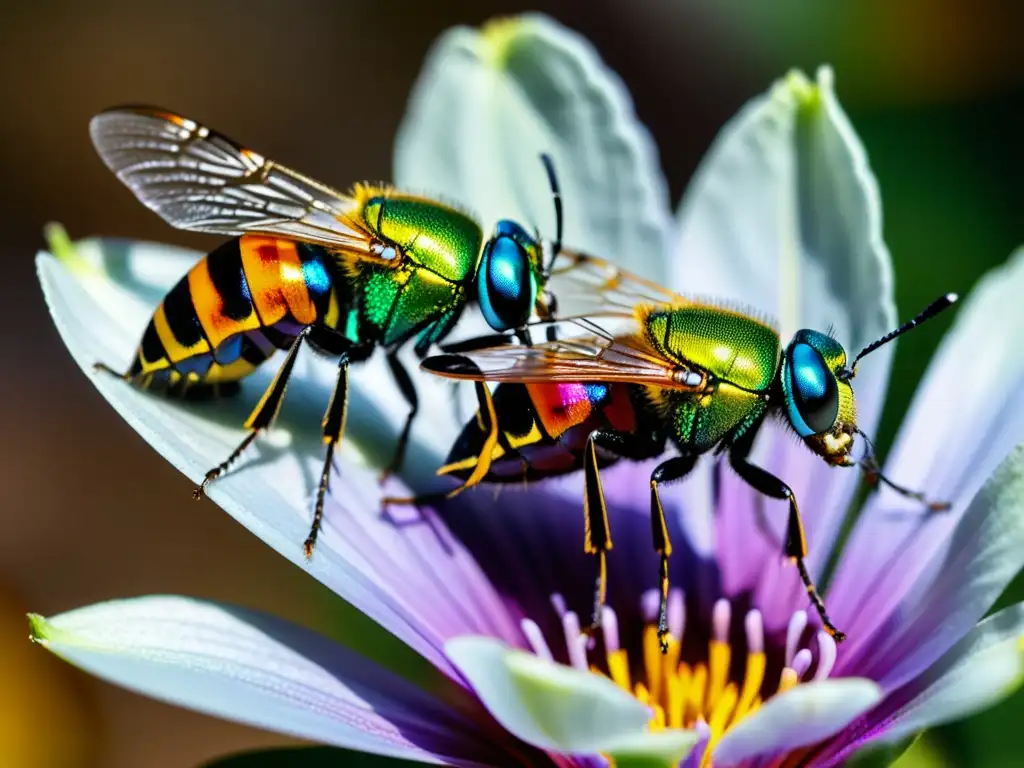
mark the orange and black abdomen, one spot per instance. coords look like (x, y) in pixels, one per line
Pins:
(234, 309)
(543, 429)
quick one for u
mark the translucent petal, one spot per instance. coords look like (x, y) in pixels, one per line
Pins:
(256, 669)
(783, 216)
(979, 671)
(948, 447)
(549, 705)
(982, 556)
(413, 580)
(803, 715)
(489, 102)
(659, 749)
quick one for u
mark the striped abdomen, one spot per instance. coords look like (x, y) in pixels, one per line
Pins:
(543, 429)
(234, 308)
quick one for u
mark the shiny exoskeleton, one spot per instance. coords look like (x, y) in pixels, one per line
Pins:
(701, 377)
(347, 273)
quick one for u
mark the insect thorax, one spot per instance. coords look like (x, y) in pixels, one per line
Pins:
(427, 256)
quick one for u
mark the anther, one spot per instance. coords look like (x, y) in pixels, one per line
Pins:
(649, 602)
(721, 618)
(575, 641)
(536, 639)
(826, 655)
(558, 602)
(676, 613)
(754, 625)
(797, 624)
(610, 627)
(802, 662)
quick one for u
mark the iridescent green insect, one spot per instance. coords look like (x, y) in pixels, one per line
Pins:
(695, 375)
(347, 273)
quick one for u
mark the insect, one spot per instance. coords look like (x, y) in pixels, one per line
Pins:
(345, 273)
(700, 376)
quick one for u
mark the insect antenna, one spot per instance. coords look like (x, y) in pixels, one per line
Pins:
(873, 472)
(556, 195)
(941, 303)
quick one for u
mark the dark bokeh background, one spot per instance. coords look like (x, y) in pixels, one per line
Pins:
(934, 87)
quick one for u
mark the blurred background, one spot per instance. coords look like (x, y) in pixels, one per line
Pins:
(935, 89)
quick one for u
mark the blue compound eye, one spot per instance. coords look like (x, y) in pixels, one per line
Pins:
(507, 286)
(812, 397)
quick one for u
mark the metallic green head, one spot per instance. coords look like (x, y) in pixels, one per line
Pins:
(510, 276)
(818, 398)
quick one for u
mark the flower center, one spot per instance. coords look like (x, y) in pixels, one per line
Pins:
(707, 681)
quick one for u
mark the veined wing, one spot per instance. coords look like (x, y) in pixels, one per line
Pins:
(585, 285)
(198, 180)
(598, 358)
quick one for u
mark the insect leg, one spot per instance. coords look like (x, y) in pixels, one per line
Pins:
(107, 369)
(489, 423)
(408, 390)
(333, 429)
(796, 543)
(597, 533)
(262, 415)
(873, 475)
(597, 537)
(668, 471)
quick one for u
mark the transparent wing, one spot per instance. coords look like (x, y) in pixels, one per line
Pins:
(598, 357)
(589, 286)
(199, 180)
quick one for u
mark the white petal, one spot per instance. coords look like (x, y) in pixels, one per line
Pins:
(948, 447)
(252, 668)
(489, 102)
(803, 715)
(783, 216)
(549, 705)
(270, 491)
(980, 670)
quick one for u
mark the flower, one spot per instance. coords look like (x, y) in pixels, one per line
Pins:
(783, 216)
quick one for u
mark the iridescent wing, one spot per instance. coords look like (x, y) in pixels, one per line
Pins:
(599, 357)
(199, 180)
(590, 286)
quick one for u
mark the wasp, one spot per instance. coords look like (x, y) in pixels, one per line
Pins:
(344, 273)
(700, 376)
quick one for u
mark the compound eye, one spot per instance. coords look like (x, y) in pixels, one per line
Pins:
(812, 396)
(507, 285)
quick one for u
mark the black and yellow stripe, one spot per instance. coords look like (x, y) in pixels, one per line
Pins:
(234, 309)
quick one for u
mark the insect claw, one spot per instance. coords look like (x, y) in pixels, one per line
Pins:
(307, 547)
(837, 635)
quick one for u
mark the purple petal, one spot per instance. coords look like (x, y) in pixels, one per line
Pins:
(529, 542)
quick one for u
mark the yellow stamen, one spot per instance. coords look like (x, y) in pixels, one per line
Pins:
(719, 719)
(618, 666)
(688, 695)
(674, 699)
(658, 722)
(756, 663)
(640, 691)
(653, 660)
(670, 663)
(719, 657)
(698, 683)
(788, 679)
